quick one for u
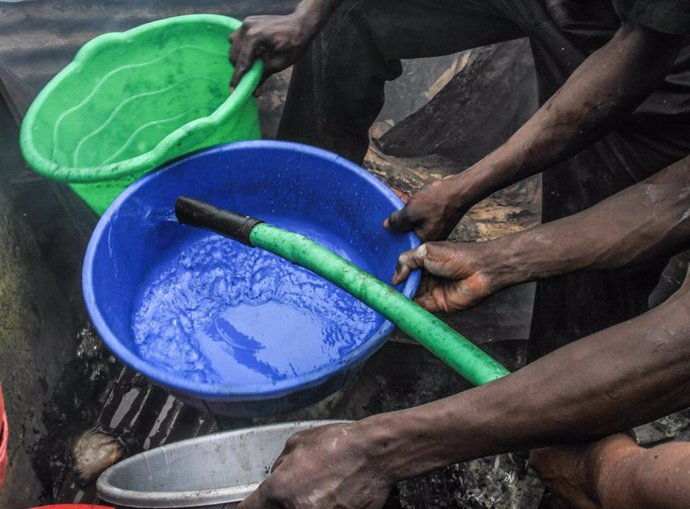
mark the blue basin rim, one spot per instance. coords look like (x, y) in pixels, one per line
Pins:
(236, 392)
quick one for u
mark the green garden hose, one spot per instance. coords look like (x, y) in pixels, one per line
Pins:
(443, 341)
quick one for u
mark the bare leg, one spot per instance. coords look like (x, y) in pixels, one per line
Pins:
(616, 473)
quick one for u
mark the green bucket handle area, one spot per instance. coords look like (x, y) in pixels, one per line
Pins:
(132, 101)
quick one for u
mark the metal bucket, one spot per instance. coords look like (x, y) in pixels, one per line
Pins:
(211, 472)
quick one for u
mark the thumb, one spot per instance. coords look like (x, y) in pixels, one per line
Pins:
(409, 261)
(400, 221)
(439, 258)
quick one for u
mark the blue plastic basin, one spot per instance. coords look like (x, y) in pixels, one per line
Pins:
(138, 247)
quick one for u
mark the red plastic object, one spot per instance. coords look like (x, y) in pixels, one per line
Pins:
(4, 435)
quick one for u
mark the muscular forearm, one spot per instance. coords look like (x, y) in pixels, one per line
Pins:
(644, 221)
(612, 380)
(604, 90)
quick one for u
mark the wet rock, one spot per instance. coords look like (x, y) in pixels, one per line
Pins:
(90, 345)
(497, 482)
(492, 95)
(93, 452)
(672, 427)
(36, 338)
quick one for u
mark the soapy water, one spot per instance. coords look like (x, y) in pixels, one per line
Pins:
(220, 312)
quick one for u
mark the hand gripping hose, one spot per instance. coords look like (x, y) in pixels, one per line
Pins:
(443, 341)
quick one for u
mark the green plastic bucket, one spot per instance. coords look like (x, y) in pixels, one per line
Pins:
(131, 101)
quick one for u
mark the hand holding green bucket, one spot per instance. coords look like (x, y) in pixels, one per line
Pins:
(131, 101)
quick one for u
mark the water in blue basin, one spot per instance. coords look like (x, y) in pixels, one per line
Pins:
(220, 312)
(216, 322)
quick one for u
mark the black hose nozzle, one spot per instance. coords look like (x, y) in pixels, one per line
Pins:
(204, 215)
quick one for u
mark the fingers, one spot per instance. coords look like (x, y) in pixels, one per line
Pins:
(265, 496)
(235, 42)
(290, 445)
(244, 62)
(430, 294)
(451, 282)
(433, 296)
(448, 295)
(243, 51)
(260, 499)
(429, 302)
(400, 221)
(404, 197)
(439, 258)
(409, 261)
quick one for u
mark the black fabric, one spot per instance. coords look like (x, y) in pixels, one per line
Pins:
(666, 16)
(337, 91)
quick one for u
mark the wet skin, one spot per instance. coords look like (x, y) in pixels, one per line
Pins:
(600, 93)
(278, 40)
(616, 473)
(617, 378)
(650, 219)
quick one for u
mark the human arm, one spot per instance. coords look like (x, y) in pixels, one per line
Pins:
(616, 473)
(615, 379)
(604, 90)
(647, 220)
(279, 40)
(636, 478)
